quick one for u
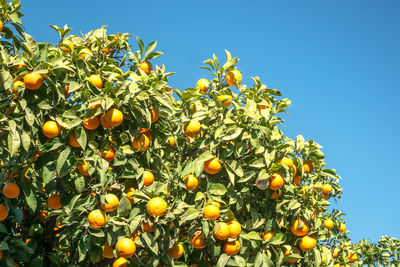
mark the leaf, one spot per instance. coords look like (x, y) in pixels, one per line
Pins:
(190, 214)
(3, 244)
(14, 142)
(217, 189)
(79, 183)
(124, 207)
(30, 197)
(150, 47)
(62, 159)
(223, 260)
(232, 134)
(259, 163)
(278, 239)
(26, 141)
(83, 247)
(81, 137)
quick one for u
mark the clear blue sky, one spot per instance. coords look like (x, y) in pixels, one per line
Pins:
(338, 61)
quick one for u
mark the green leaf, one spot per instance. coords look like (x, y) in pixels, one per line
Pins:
(217, 189)
(223, 260)
(3, 244)
(124, 207)
(30, 196)
(190, 214)
(14, 142)
(83, 247)
(62, 159)
(81, 137)
(26, 141)
(79, 183)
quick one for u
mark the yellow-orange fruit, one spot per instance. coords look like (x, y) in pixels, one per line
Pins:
(191, 182)
(326, 188)
(234, 229)
(11, 190)
(232, 247)
(211, 212)
(146, 67)
(232, 77)
(33, 81)
(171, 141)
(73, 141)
(96, 80)
(112, 203)
(91, 123)
(192, 128)
(297, 230)
(148, 178)
(51, 129)
(328, 224)
(54, 202)
(308, 166)
(342, 227)
(109, 155)
(3, 212)
(197, 240)
(225, 100)
(276, 194)
(125, 247)
(156, 207)
(212, 166)
(107, 251)
(176, 251)
(141, 142)
(97, 219)
(114, 117)
(154, 114)
(203, 84)
(221, 231)
(83, 168)
(307, 243)
(288, 253)
(120, 262)
(267, 235)
(276, 181)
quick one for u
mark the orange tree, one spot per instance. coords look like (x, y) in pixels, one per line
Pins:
(101, 165)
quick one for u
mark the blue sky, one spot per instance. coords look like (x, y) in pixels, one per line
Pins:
(338, 61)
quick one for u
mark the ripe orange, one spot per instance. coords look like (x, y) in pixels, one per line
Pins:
(11, 190)
(267, 236)
(297, 230)
(171, 141)
(1, 29)
(148, 178)
(307, 243)
(42, 215)
(146, 67)
(352, 257)
(120, 262)
(176, 251)
(73, 141)
(17, 83)
(106, 50)
(212, 166)
(234, 229)
(326, 188)
(211, 212)
(96, 80)
(83, 168)
(197, 240)
(112, 203)
(328, 224)
(264, 106)
(113, 117)
(341, 227)
(276, 194)
(97, 219)
(3, 212)
(141, 142)
(288, 253)
(276, 181)
(125, 247)
(68, 46)
(203, 84)
(54, 202)
(107, 251)
(109, 155)
(191, 182)
(308, 166)
(66, 92)
(51, 129)
(192, 128)
(225, 100)
(33, 81)
(336, 252)
(287, 161)
(83, 53)
(232, 247)
(91, 123)
(149, 228)
(136, 237)
(221, 231)
(297, 180)
(156, 207)
(1, 252)
(154, 114)
(129, 194)
(233, 76)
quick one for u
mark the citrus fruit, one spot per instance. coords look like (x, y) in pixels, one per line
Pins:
(107, 251)
(171, 141)
(287, 161)
(176, 251)
(97, 219)
(203, 84)
(211, 212)
(352, 257)
(288, 253)
(328, 224)
(54, 202)
(146, 67)
(297, 180)
(129, 194)
(212, 166)
(83, 168)
(125, 247)
(308, 166)
(3, 212)
(341, 227)
(197, 240)
(191, 182)
(326, 188)
(111, 204)
(11, 190)
(141, 142)
(232, 247)
(276, 194)
(91, 123)
(267, 235)
(51, 129)
(234, 229)
(225, 100)
(276, 181)
(109, 155)
(113, 117)
(307, 243)
(120, 262)
(149, 228)
(299, 230)
(148, 178)
(154, 114)
(17, 83)
(221, 231)
(156, 207)
(233, 77)
(96, 80)
(264, 106)
(192, 128)
(33, 81)
(73, 141)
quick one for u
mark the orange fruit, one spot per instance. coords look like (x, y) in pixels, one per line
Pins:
(154, 114)
(129, 194)
(107, 251)
(192, 128)
(191, 182)
(352, 257)
(51, 129)
(149, 228)
(233, 76)
(276, 194)
(156, 207)
(197, 240)
(113, 117)
(33, 81)
(83, 53)
(106, 50)
(17, 83)
(11, 190)
(176, 251)
(307, 243)
(73, 141)
(105, 123)
(171, 141)
(146, 132)
(328, 224)
(83, 168)
(297, 230)
(264, 106)
(66, 92)
(3, 212)
(297, 180)
(68, 46)
(97, 219)
(120, 262)
(148, 178)
(1, 29)
(146, 67)
(211, 212)
(112, 203)
(341, 227)
(287, 161)
(19, 66)
(225, 100)
(42, 215)
(96, 80)
(95, 105)
(109, 155)
(212, 166)
(336, 252)
(232, 247)
(326, 188)
(203, 84)
(136, 237)
(308, 166)
(234, 229)
(91, 123)
(267, 235)
(221, 231)
(125, 247)
(324, 196)
(141, 142)
(276, 181)
(54, 202)
(288, 253)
